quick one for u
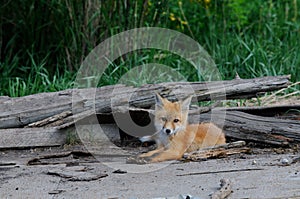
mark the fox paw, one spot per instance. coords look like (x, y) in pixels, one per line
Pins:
(137, 160)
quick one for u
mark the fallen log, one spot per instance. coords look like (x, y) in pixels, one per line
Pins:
(258, 129)
(237, 125)
(32, 137)
(22, 111)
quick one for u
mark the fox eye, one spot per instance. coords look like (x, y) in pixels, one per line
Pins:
(176, 120)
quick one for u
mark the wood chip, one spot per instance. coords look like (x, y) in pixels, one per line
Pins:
(76, 174)
(224, 191)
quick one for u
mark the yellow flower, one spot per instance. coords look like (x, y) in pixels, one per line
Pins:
(172, 17)
(184, 22)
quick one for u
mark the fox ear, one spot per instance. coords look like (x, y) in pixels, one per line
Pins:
(185, 104)
(159, 101)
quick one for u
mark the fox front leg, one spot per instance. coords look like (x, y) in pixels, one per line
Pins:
(144, 158)
(165, 156)
(151, 153)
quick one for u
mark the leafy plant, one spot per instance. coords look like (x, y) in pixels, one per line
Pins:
(45, 41)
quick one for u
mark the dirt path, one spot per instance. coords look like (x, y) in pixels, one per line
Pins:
(261, 175)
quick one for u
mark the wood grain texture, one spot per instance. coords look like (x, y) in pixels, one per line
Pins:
(244, 126)
(31, 137)
(20, 112)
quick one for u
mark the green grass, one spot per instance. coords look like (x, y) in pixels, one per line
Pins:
(33, 78)
(44, 44)
(147, 67)
(254, 57)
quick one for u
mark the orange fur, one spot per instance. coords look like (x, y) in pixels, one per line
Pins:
(171, 120)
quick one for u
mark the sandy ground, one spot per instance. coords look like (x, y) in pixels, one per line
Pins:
(262, 174)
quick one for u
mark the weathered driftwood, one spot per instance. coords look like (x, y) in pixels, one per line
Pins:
(237, 125)
(46, 115)
(20, 112)
(32, 137)
(218, 151)
(50, 120)
(243, 126)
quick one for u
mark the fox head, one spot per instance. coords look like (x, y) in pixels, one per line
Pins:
(170, 117)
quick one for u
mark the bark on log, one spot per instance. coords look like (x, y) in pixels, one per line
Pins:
(19, 112)
(238, 125)
(243, 126)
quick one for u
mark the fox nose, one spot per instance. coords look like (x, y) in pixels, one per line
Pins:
(168, 131)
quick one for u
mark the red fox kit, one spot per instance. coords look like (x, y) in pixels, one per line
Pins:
(175, 136)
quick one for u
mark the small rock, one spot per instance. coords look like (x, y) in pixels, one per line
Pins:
(119, 171)
(254, 162)
(284, 161)
(57, 191)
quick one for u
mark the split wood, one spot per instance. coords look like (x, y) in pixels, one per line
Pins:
(218, 151)
(23, 111)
